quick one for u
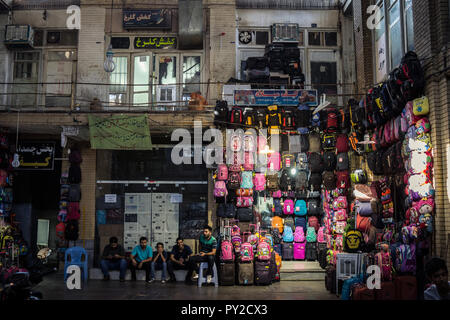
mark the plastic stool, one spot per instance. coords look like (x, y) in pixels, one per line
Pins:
(202, 279)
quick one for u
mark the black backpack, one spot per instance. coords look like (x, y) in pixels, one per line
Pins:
(74, 174)
(329, 161)
(342, 161)
(244, 214)
(285, 181)
(315, 181)
(260, 118)
(357, 114)
(221, 113)
(304, 143)
(236, 116)
(75, 156)
(74, 193)
(412, 76)
(276, 236)
(315, 163)
(249, 117)
(226, 210)
(71, 232)
(303, 116)
(313, 208)
(288, 119)
(301, 180)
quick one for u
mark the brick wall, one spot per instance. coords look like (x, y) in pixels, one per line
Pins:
(430, 36)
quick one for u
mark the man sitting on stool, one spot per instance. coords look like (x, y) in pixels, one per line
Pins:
(113, 258)
(208, 246)
(141, 258)
(179, 258)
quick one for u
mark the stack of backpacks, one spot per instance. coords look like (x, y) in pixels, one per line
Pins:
(247, 258)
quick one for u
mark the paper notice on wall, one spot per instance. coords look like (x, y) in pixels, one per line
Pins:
(176, 198)
(110, 198)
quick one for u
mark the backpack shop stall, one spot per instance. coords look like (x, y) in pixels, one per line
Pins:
(348, 186)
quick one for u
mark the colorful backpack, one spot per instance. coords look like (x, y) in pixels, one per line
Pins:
(222, 172)
(320, 235)
(300, 208)
(273, 119)
(244, 202)
(247, 180)
(236, 239)
(277, 223)
(236, 116)
(259, 181)
(383, 260)
(299, 235)
(236, 142)
(421, 106)
(274, 161)
(220, 189)
(234, 180)
(226, 251)
(288, 235)
(288, 206)
(246, 252)
(311, 234)
(288, 160)
(263, 251)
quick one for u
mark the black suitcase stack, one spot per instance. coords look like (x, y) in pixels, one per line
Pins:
(287, 251)
(226, 274)
(322, 252)
(273, 267)
(257, 69)
(275, 53)
(311, 251)
(263, 272)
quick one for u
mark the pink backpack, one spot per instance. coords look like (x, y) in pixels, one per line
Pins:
(220, 189)
(259, 181)
(276, 194)
(299, 235)
(408, 113)
(403, 124)
(263, 251)
(397, 125)
(235, 163)
(340, 215)
(246, 253)
(340, 203)
(244, 202)
(248, 161)
(274, 162)
(235, 142)
(226, 251)
(288, 206)
(249, 143)
(236, 239)
(321, 235)
(222, 172)
(387, 133)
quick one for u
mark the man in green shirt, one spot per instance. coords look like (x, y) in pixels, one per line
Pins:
(141, 258)
(208, 246)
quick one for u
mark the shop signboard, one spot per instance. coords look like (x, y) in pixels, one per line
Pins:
(36, 155)
(275, 97)
(120, 132)
(155, 42)
(149, 19)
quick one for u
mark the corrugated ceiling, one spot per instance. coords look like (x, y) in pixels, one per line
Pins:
(287, 4)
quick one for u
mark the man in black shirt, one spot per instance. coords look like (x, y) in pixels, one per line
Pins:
(113, 258)
(159, 262)
(179, 258)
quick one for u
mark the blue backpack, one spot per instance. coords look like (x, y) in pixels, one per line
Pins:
(300, 222)
(288, 235)
(300, 208)
(278, 209)
(247, 180)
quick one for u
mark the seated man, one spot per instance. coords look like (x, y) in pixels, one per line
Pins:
(159, 262)
(113, 258)
(141, 258)
(436, 270)
(208, 245)
(179, 258)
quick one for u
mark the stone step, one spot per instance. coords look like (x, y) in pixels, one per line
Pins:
(96, 274)
(301, 271)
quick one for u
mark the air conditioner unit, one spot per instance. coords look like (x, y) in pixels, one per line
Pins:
(19, 36)
(166, 95)
(285, 32)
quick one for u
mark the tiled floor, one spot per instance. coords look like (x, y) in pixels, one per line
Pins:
(53, 288)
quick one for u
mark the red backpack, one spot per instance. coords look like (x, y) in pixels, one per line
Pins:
(342, 143)
(222, 172)
(343, 179)
(314, 223)
(332, 120)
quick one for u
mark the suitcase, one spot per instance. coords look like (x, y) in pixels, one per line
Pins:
(263, 274)
(273, 266)
(311, 251)
(287, 251)
(245, 273)
(387, 291)
(361, 292)
(226, 274)
(322, 257)
(299, 251)
(277, 248)
(330, 279)
(405, 288)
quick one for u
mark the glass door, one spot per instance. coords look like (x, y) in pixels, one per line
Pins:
(165, 91)
(142, 80)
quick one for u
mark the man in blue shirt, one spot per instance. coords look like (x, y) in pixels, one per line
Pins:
(179, 258)
(141, 258)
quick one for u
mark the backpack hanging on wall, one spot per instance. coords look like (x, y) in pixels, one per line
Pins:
(221, 113)
(332, 120)
(288, 119)
(74, 174)
(71, 231)
(236, 117)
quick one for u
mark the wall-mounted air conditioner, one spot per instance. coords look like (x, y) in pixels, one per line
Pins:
(285, 32)
(19, 36)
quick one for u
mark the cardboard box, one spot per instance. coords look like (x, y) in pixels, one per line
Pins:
(109, 230)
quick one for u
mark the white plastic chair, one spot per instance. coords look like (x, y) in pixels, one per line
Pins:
(202, 279)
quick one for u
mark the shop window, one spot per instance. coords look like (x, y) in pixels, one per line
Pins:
(120, 42)
(331, 39)
(191, 76)
(60, 71)
(314, 38)
(395, 34)
(26, 71)
(409, 25)
(380, 46)
(118, 82)
(301, 38)
(141, 81)
(324, 77)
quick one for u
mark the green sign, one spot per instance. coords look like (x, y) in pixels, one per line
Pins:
(120, 132)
